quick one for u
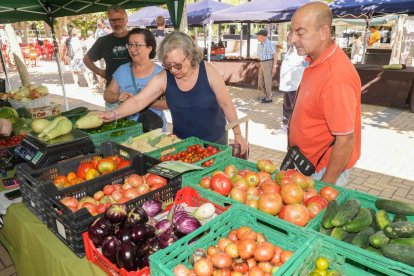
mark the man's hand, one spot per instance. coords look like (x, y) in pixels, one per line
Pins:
(5, 127)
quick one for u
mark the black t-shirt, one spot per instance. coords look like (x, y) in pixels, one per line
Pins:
(114, 50)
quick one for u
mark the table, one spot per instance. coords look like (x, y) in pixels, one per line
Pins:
(35, 250)
(241, 72)
(390, 87)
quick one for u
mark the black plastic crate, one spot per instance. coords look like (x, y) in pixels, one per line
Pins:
(33, 181)
(69, 226)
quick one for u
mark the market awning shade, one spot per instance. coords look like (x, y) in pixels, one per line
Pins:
(23, 10)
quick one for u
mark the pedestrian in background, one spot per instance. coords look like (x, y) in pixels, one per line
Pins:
(88, 43)
(159, 33)
(291, 72)
(267, 54)
(113, 47)
(76, 53)
(326, 121)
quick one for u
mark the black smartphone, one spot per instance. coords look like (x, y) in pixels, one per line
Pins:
(13, 194)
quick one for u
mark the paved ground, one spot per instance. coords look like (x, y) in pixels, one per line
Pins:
(385, 168)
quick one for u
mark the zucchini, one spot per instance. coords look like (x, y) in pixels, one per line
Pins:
(395, 66)
(399, 252)
(76, 111)
(408, 241)
(330, 213)
(51, 126)
(346, 212)
(339, 233)
(382, 219)
(362, 221)
(379, 239)
(374, 220)
(395, 206)
(90, 120)
(399, 217)
(362, 238)
(400, 229)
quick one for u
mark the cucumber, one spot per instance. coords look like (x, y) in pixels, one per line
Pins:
(399, 217)
(362, 238)
(374, 220)
(400, 229)
(362, 221)
(75, 111)
(408, 241)
(330, 213)
(339, 233)
(346, 212)
(349, 238)
(379, 239)
(399, 252)
(374, 250)
(395, 206)
(382, 219)
(325, 231)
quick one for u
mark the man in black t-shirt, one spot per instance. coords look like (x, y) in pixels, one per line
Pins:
(113, 48)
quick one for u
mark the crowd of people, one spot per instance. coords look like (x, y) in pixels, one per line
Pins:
(322, 90)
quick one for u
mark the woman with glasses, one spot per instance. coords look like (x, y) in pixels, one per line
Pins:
(196, 94)
(130, 78)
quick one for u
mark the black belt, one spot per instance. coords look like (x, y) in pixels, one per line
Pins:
(267, 59)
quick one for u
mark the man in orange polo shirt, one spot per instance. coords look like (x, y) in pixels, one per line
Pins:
(326, 121)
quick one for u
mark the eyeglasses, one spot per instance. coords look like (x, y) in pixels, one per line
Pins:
(177, 66)
(117, 20)
(135, 45)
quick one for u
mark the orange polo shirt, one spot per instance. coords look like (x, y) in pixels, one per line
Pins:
(328, 104)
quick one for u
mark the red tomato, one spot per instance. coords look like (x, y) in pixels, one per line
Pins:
(153, 179)
(297, 214)
(123, 164)
(270, 203)
(83, 168)
(329, 193)
(221, 184)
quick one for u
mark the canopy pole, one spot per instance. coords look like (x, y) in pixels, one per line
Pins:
(365, 47)
(210, 30)
(5, 70)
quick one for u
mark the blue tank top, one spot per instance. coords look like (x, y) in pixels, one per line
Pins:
(195, 112)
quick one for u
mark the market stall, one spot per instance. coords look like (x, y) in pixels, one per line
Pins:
(387, 87)
(242, 72)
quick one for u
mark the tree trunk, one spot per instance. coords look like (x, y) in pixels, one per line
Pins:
(17, 54)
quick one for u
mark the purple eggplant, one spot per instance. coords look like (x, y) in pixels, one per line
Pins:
(178, 215)
(109, 247)
(152, 207)
(98, 230)
(127, 256)
(141, 232)
(137, 215)
(143, 260)
(116, 213)
(124, 234)
(187, 224)
(164, 226)
(151, 245)
(167, 238)
(173, 210)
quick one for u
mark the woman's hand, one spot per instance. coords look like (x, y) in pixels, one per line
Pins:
(108, 116)
(5, 127)
(239, 139)
(124, 96)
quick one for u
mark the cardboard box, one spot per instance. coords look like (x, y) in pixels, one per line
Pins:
(52, 110)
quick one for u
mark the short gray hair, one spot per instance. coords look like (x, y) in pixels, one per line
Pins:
(117, 8)
(180, 40)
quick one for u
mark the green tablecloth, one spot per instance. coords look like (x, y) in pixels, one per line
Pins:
(35, 250)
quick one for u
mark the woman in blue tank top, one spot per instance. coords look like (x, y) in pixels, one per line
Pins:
(195, 92)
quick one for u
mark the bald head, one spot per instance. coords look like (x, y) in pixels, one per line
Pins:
(318, 11)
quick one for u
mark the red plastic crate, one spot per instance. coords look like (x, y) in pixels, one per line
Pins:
(186, 195)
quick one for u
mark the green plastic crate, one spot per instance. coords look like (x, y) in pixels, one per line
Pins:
(118, 135)
(368, 201)
(289, 238)
(341, 259)
(194, 178)
(223, 154)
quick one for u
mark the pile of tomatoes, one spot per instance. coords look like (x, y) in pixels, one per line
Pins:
(134, 186)
(193, 154)
(6, 142)
(97, 166)
(289, 194)
(242, 252)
